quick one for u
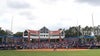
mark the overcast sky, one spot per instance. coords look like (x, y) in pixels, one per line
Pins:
(54, 14)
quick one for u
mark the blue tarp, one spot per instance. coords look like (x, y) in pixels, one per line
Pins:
(1, 36)
(86, 36)
(4, 36)
(73, 37)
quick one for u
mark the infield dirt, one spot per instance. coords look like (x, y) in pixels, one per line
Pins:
(52, 50)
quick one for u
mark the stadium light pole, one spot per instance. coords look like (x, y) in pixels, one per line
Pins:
(77, 28)
(12, 27)
(93, 26)
(12, 23)
(93, 22)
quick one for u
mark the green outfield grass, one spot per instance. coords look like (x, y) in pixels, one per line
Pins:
(94, 52)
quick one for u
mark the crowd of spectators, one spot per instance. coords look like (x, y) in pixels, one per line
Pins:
(69, 43)
(63, 44)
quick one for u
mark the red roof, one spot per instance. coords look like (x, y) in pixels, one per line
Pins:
(54, 32)
(33, 31)
(50, 32)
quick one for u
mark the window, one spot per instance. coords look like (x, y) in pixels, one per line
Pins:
(33, 35)
(44, 30)
(54, 35)
(25, 33)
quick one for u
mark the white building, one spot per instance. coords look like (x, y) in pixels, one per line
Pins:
(44, 33)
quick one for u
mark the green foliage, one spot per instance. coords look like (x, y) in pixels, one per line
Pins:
(73, 31)
(19, 34)
(77, 31)
(2, 32)
(98, 38)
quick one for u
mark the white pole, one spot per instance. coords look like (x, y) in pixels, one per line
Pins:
(93, 23)
(12, 24)
(77, 28)
(93, 28)
(77, 22)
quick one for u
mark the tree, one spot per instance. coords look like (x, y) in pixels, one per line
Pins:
(18, 34)
(73, 31)
(2, 32)
(98, 38)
